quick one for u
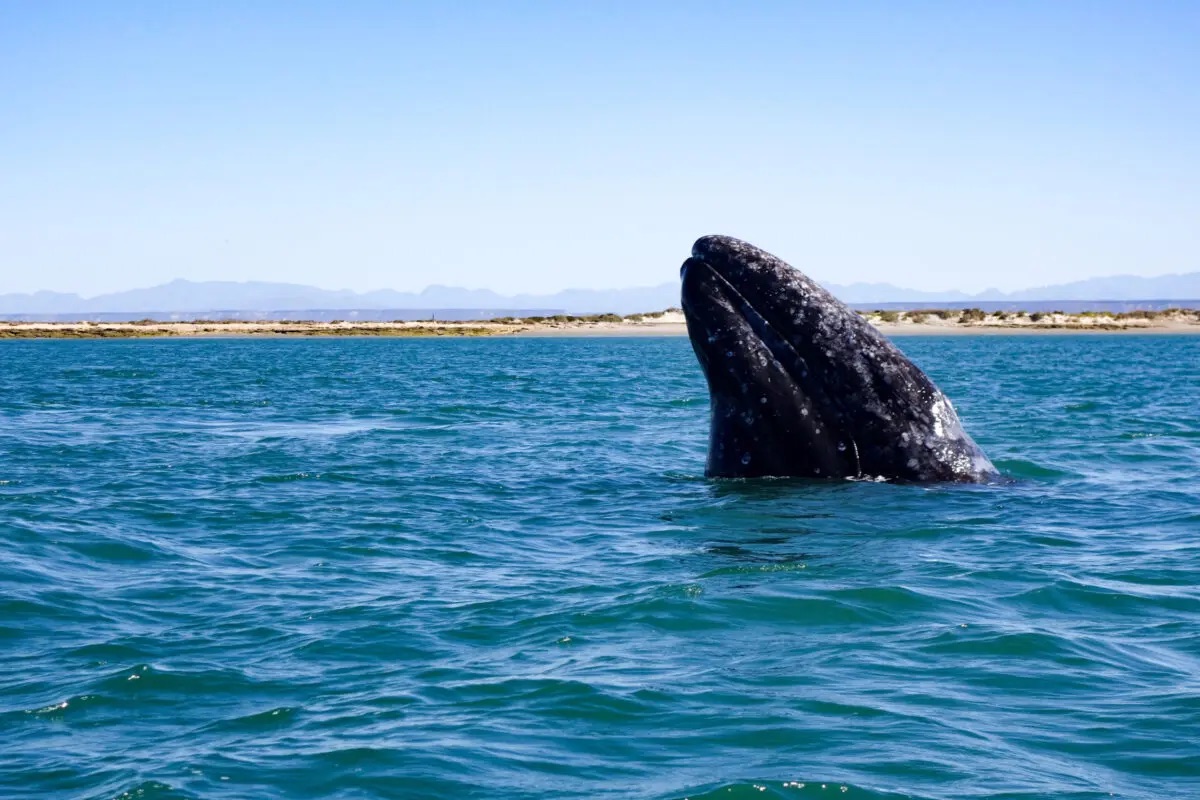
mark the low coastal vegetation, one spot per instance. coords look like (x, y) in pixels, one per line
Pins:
(1084, 320)
(72, 331)
(141, 329)
(931, 318)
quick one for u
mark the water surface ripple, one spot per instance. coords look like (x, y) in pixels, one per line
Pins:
(493, 568)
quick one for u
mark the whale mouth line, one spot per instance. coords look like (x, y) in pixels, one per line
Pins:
(755, 330)
(778, 345)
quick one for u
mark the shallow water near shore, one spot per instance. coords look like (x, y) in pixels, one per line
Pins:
(493, 568)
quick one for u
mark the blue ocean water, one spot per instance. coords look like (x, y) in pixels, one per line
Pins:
(363, 568)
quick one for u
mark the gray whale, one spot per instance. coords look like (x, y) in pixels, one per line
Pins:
(801, 385)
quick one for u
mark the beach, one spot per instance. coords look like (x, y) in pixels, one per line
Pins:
(666, 323)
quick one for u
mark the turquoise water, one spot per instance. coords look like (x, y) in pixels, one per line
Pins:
(492, 568)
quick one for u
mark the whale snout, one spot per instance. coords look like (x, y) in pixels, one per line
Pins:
(752, 287)
(694, 262)
(725, 254)
(717, 245)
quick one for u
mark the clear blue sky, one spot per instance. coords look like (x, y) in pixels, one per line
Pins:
(543, 145)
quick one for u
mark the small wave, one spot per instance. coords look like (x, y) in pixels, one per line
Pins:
(970, 641)
(153, 790)
(1072, 596)
(1028, 470)
(144, 679)
(289, 477)
(109, 372)
(272, 718)
(749, 569)
(116, 551)
(72, 706)
(550, 697)
(100, 653)
(686, 402)
(781, 790)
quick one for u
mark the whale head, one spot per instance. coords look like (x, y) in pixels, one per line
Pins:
(801, 385)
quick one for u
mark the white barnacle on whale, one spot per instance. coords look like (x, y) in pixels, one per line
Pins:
(938, 412)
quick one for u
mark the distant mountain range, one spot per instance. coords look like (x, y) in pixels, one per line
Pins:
(188, 297)
(1184, 286)
(195, 297)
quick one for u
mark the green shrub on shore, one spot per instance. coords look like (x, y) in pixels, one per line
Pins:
(89, 332)
(972, 315)
(416, 330)
(940, 313)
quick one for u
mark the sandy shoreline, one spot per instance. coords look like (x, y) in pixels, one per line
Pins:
(670, 323)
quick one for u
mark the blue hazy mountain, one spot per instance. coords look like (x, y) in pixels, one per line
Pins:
(190, 296)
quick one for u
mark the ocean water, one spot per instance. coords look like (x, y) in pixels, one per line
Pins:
(475, 568)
